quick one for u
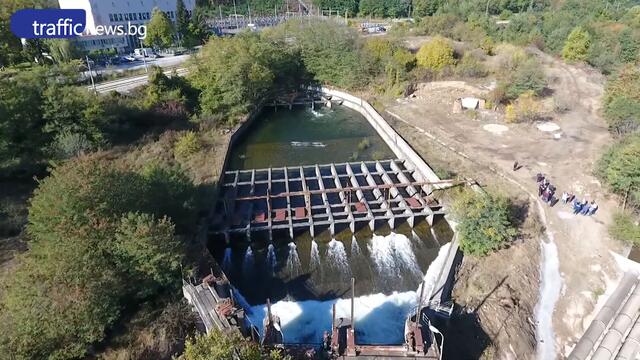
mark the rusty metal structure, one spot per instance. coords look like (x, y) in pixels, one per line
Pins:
(318, 197)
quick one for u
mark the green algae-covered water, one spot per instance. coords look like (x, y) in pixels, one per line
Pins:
(305, 137)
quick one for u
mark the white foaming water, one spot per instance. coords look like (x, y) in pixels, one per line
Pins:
(271, 258)
(392, 254)
(379, 318)
(337, 258)
(293, 261)
(248, 262)
(308, 144)
(315, 255)
(550, 286)
(317, 114)
(226, 261)
(355, 248)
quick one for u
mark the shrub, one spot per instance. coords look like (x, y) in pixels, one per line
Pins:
(67, 145)
(487, 45)
(186, 145)
(470, 66)
(577, 45)
(623, 115)
(484, 222)
(232, 346)
(528, 76)
(624, 228)
(525, 109)
(436, 54)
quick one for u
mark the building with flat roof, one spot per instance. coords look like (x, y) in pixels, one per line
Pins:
(105, 13)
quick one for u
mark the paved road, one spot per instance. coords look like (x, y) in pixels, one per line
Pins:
(127, 84)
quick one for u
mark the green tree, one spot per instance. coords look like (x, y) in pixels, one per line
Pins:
(576, 47)
(21, 123)
(220, 346)
(63, 50)
(72, 109)
(426, 7)
(484, 222)
(372, 7)
(623, 115)
(160, 30)
(147, 248)
(96, 249)
(622, 101)
(629, 45)
(331, 53)
(436, 54)
(233, 74)
(182, 20)
(619, 167)
(527, 76)
(198, 28)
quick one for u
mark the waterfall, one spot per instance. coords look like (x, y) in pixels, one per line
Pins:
(405, 255)
(226, 261)
(381, 250)
(355, 248)
(315, 255)
(393, 256)
(271, 259)
(247, 263)
(293, 261)
(379, 317)
(337, 258)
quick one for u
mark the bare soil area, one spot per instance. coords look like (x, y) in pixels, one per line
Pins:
(480, 145)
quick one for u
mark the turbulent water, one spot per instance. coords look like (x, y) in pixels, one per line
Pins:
(248, 262)
(293, 261)
(379, 318)
(226, 261)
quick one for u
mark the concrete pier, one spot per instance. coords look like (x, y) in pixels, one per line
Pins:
(307, 198)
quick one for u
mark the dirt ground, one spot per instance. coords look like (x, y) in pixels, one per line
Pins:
(479, 145)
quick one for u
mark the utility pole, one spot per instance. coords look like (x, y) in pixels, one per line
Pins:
(93, 84)
(144, 59)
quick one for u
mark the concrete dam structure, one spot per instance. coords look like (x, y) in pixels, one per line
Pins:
(296, 229)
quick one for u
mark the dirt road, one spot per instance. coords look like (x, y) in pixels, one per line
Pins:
(564, 149)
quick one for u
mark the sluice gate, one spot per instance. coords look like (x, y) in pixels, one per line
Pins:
(314, 198)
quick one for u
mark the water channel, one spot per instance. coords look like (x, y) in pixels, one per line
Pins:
(304, 276)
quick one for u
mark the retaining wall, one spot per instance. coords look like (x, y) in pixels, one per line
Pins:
(395, 142)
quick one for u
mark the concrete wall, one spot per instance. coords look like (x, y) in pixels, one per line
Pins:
(398, 145)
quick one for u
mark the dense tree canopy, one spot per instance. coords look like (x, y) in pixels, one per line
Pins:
(620, 168)
(233, 74)
(622, 101)
(95, 243)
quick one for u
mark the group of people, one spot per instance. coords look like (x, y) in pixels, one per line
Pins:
(583, 207)
(547, 191)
